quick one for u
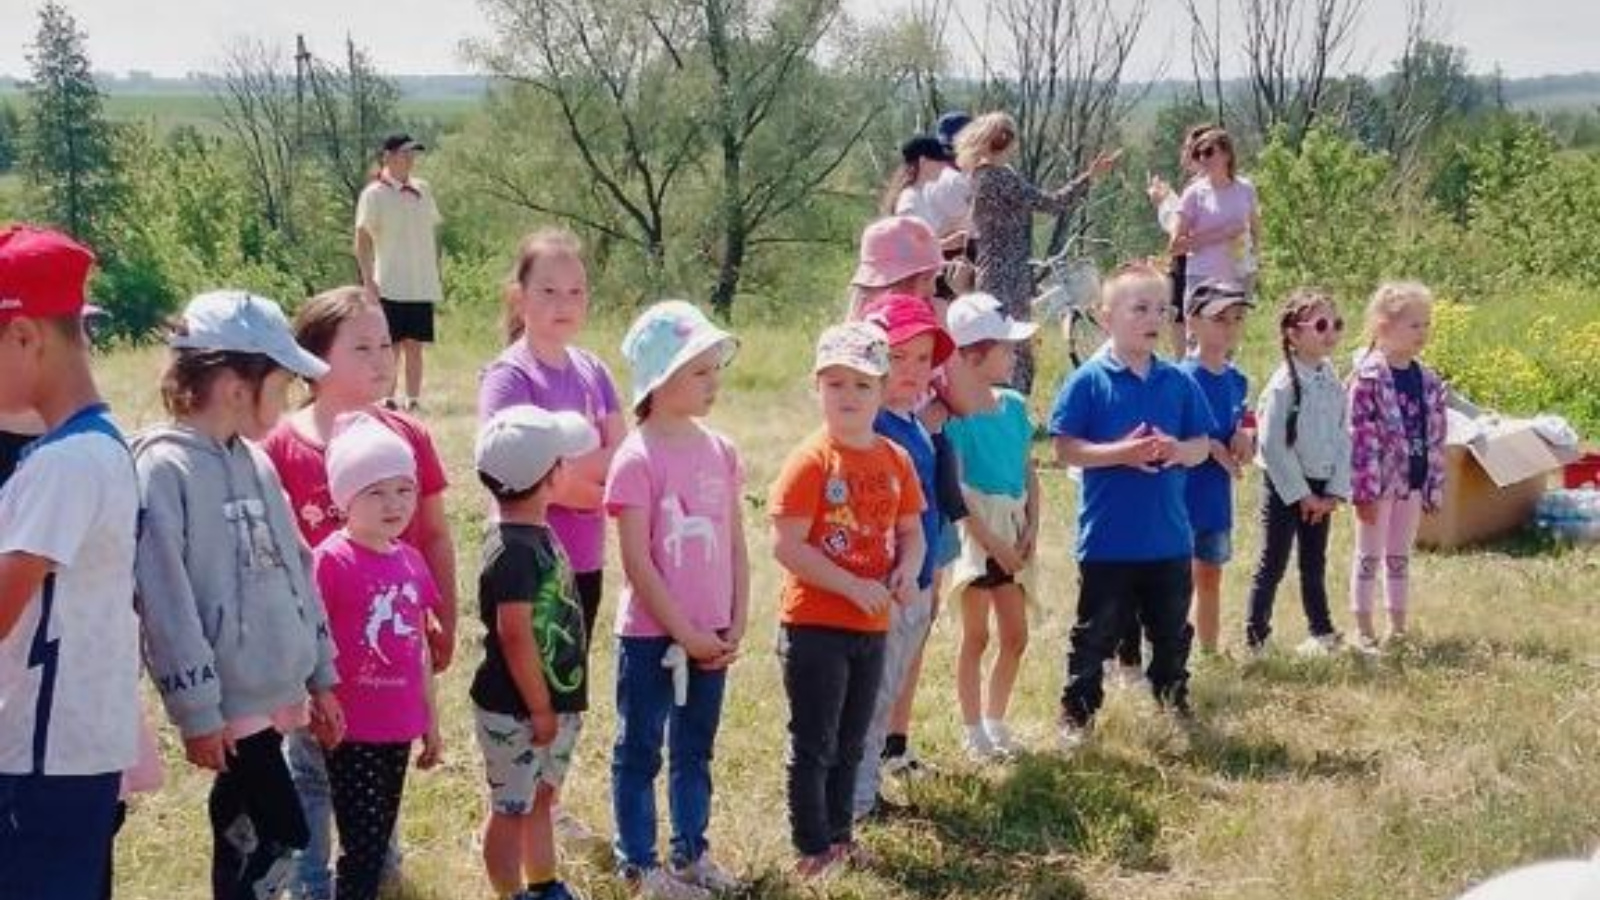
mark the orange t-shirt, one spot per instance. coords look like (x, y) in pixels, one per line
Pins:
(853, 498)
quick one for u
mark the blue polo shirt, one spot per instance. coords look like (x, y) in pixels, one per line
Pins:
(1210, 490)
(1124, 514)
(911, 437)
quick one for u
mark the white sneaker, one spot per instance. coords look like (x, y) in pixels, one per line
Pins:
(705, 873)
(904, 765)
(659, 884)
(1002, 740)
(1070, 735)
(1320, 645)
(1366, 645)
(977, 745)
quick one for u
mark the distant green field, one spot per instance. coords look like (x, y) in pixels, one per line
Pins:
(202, 110)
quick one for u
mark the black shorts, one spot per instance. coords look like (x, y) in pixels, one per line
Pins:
(1179, 274)
(993, 576)
(409, 321)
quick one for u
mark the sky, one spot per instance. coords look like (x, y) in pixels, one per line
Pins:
(172, 37)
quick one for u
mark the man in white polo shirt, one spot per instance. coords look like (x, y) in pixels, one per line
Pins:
(399, 258)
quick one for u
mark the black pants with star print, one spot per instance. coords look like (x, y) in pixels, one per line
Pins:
(366, 781)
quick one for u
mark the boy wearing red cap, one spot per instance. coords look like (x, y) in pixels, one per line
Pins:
(69, 646)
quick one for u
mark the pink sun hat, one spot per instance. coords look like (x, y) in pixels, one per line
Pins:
(894, 249)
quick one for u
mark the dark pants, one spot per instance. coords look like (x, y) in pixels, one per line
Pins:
(55, 835)
(111, 849)
(647, 718)
(831, 676)
(256, 821)
(1112, 594)
(590, 587)
(1130, 646)
(367, 781)
(1281, 528)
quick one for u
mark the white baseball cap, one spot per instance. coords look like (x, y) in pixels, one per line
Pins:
(1557, 880)
(980, 317)
(519, 445)
(241, 322)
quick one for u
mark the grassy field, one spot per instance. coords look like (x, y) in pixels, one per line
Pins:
(1404, 779)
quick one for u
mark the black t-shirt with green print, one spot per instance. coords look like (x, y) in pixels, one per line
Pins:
(524, 564)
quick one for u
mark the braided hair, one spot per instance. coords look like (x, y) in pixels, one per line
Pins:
(1295, 308)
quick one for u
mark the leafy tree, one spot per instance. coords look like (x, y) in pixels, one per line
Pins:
(68, 157)
(10, 137)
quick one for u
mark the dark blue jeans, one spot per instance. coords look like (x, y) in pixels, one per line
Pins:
(1281, 529)
(55, 835)
(646, 715)
(1111, 595)
(831, 676)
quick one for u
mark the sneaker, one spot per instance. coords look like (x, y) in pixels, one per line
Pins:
(1319, 645)
(1071, 735)
(659, 884)
(1367, 645)
(705, 873)
(556, 890)
(852, 855)
(1005, 744)
(978, 747)
(1397, 642)
(903, 765)
(820, 865)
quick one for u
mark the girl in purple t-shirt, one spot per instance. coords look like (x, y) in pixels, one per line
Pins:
(547, 305)
(378, 590)
(674, 490)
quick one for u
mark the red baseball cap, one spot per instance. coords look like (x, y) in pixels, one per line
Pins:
(904, 317)
(42, 273)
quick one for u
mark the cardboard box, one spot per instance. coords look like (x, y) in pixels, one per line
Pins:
(1494, 476)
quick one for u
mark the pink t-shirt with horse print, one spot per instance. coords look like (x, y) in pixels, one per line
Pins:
(689, 485)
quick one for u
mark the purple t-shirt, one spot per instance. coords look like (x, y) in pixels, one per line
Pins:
(582, 386)
(1205, 208)
(689, 485)
(377, 612)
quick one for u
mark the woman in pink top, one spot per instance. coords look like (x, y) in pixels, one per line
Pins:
(1219, 224)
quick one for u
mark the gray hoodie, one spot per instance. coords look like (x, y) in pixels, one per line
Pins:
(232, 621)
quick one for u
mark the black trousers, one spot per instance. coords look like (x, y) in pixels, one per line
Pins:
(256, 821)
(831, 676)
(591, 588)
(367, 781)
(1112, 594)
(1281, 529)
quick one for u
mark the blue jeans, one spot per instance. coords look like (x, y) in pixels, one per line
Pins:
(313, 875)
(55, 835)
(645, 715)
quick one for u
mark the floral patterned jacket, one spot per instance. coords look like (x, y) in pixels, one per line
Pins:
(1379, 460)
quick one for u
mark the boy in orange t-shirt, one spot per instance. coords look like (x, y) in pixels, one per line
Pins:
(846, 528)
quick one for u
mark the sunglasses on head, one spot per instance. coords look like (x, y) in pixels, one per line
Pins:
(1321, 325)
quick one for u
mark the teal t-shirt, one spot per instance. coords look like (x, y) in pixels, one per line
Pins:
(993, 446)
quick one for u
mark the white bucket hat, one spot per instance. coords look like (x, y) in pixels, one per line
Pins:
(664, 338)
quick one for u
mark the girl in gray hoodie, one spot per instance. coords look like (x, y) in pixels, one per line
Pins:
(236, 637)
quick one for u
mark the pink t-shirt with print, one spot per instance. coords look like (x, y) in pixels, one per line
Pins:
(689, 485)
(377, 610)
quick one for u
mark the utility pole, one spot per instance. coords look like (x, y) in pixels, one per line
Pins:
(302, 66)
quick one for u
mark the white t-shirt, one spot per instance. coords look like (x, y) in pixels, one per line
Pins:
(401, 220)
(69, 669)
(944, 203)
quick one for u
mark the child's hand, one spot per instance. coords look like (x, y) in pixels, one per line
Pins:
(1315, 509)
(934, 416)
(903, 585)
(209, 751)
(327, 719)
(1367, 513)
(1008, 558)
(731, 636)
(432, 749)
(441, 645)
(1243, 445)
(1226, 458)
(544, 725)
(1028, 544)
(872, 597)
(1140, 449)
(704, 646)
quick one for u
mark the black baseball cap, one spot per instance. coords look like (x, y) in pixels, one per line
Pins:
(921, 147)
(394, 143)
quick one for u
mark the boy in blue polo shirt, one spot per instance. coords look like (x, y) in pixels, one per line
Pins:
(1132, 423)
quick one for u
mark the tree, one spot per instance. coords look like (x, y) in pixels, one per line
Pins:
(260, 110)
(352, 108)
(10, 137)
(68, 155)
